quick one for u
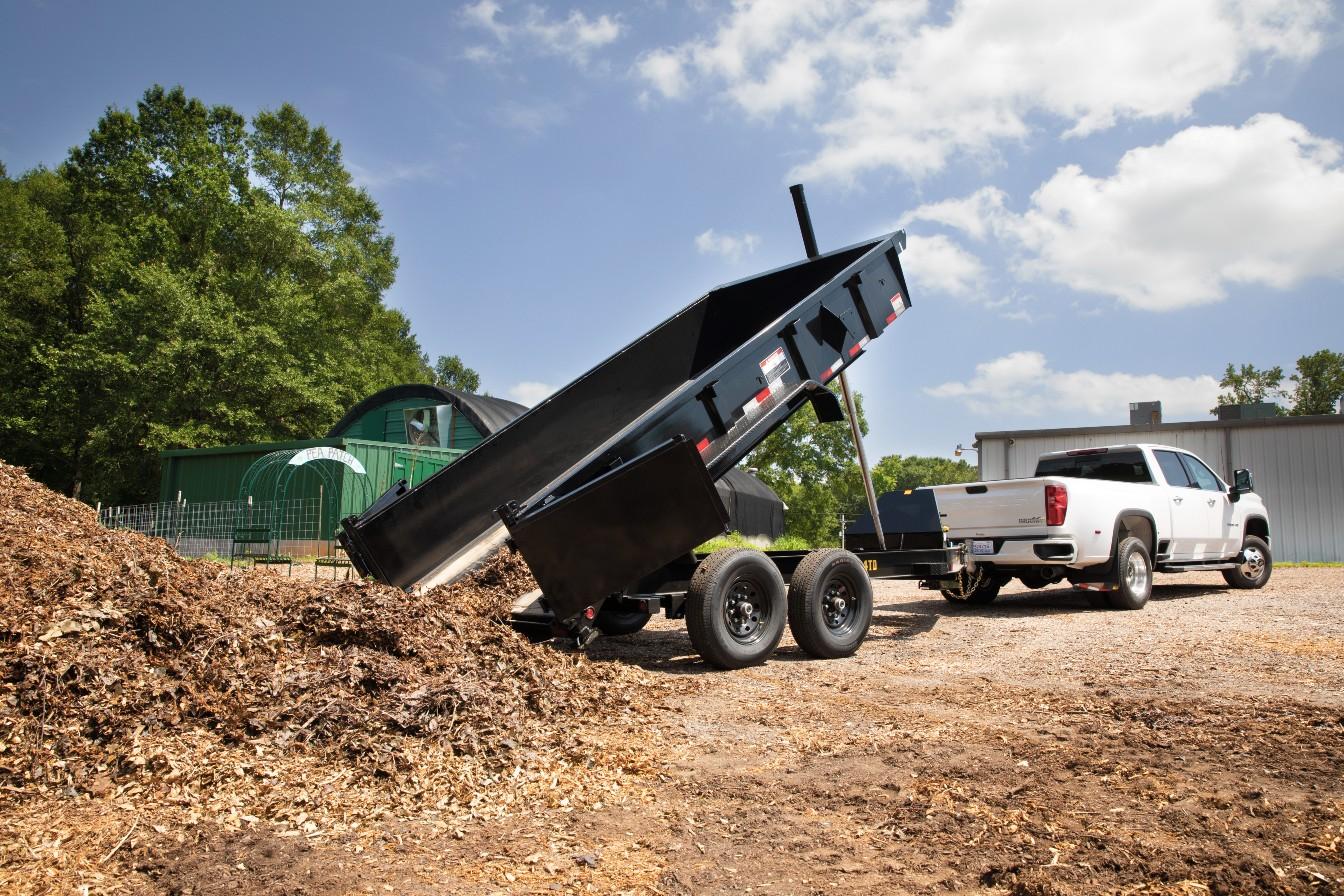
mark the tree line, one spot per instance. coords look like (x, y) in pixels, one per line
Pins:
(187, 278)
(1317, 384)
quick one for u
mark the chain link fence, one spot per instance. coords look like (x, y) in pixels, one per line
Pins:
(195, 530)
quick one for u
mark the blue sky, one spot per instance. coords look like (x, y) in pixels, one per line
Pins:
(1107, 201)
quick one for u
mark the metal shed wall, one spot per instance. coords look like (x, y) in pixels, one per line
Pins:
(1297, 462)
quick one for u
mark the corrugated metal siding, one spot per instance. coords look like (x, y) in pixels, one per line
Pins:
(387, 423)
(1298, 470)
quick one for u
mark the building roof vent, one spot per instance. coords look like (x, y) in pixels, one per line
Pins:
(1260, 410)
(1145, 413)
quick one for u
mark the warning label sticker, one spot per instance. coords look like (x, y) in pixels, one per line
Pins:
(775, 366)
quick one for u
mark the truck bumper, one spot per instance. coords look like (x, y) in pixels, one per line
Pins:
(1060, 551)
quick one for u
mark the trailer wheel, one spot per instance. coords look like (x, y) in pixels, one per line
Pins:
(735, 608)
(618, 618)
(1135, 572)
(830, 604)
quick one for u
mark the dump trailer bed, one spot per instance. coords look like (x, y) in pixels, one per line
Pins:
(611, 477)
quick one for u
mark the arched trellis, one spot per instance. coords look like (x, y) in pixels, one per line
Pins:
(266, 513)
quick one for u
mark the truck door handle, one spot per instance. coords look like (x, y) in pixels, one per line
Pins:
(1177, 500)
(1212, 502)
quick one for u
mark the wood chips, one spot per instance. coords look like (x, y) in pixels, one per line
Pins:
(137, 683)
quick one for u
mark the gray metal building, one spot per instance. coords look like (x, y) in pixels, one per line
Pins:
(1297, 462)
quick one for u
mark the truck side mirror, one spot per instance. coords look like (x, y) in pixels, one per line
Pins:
(1241, 483)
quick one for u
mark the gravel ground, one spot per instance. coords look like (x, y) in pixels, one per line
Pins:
(1039, 745)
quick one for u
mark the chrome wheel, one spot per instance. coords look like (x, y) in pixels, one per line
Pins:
(1136, 573)
(1253, 565)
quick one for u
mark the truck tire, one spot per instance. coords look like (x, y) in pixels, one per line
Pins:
(1134, 574)
(736, 608)
(980, 589)
(1258, 565)
(617, 618)
(830, 604)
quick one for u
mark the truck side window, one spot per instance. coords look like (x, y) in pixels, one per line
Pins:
(1202, 475)
(1173, 469)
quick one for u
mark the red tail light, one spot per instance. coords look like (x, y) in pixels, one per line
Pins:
(1056, 504)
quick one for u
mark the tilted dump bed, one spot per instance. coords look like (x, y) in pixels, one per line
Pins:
(609, 478)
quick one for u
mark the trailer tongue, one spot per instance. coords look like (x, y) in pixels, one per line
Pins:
(611, 479)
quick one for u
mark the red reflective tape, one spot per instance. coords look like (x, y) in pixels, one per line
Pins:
(702, 445)
(763, 395)
(891, 317)
(855, 350)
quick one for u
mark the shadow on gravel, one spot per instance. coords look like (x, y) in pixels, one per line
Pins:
(1046, 602)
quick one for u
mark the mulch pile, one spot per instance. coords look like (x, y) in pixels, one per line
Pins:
(130, 673)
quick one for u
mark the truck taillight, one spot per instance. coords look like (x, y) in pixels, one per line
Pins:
(1056, 504)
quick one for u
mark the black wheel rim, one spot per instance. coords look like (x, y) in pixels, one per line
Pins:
(840, 605)
(746, 611)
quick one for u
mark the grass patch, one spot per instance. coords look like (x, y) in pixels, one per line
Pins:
(738, 540)
(1310, 564)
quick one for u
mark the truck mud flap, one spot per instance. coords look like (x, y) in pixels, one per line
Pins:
(605, 535)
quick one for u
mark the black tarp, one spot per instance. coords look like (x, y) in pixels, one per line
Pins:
(753, 509)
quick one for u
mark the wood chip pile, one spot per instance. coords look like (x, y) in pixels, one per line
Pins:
(126, 669)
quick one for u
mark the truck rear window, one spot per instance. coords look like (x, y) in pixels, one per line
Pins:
(1115, 466)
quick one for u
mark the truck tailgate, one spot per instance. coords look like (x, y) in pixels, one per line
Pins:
(1010, 507)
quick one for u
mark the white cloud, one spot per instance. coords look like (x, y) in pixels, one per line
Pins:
(394, 173)
(1177, 223)
(575, 37)
(532, 118)
(896, 85)
(726, 244)
(530, 393)
(1023, 384)
(939, 264)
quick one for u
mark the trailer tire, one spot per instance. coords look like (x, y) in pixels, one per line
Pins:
(615, 618)
(1255, 572)
(1134, 574)
(830, 604)
(736, 608)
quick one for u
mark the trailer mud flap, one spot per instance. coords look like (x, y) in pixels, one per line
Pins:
(603, 537)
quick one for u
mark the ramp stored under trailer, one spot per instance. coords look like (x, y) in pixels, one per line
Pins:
(611, 479)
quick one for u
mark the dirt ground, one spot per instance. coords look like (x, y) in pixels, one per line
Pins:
(1039, 745)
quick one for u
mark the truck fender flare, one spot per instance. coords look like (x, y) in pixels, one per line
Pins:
(1256, 525)
(1130, 513)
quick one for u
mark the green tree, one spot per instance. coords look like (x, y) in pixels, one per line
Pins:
(1320, 383)
(1247, 385)
(451, 373)
(181, 280)
(803, 461)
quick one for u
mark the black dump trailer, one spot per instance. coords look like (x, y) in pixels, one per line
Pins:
(606, 487)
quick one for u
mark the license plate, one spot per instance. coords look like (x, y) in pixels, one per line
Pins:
(982, 547)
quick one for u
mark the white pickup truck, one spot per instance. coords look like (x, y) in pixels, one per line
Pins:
(1106, 518)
